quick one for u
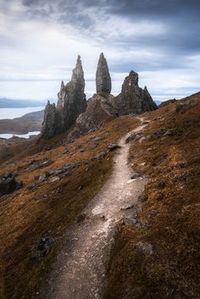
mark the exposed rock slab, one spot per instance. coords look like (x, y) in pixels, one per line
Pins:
(99, 110)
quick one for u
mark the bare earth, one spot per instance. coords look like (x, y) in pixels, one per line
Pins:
(80, 270)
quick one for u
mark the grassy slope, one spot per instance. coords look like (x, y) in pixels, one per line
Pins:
(26, 215)
(170, 213)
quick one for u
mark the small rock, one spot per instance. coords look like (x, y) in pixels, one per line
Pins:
(133, 137)
(169, 133)
(54, 179)
(42, 178)
(96, 139)
(81, 218)
(100, 156)
(128, 207)
(130, 220)
(38, 164)
(145, 247)
(42, 248)
(145, 122)
(135, 176)
(113, 146)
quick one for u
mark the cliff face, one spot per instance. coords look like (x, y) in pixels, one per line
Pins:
(132, 98)
(71, 102)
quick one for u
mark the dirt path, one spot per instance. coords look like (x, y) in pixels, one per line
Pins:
(80, 269)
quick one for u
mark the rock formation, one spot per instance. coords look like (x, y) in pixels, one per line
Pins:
(8, 184)
(49, 125)
(72, 108)
(103, 80)
(99, 110)
(132, 98)
(71, 102)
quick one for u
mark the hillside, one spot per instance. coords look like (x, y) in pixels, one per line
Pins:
(154, 254)
(21, 125)
(48, 204)
(158, 257)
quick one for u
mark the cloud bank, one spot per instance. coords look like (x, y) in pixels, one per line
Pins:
(40, 39)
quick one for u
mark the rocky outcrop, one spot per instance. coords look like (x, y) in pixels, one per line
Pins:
(8, 184)
(72, 108)
(132, 98)
(99, 110)
(103, 79)
(103, 107)
(71, 103)
(49, 125)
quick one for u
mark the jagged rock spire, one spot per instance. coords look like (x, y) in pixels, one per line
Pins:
(72, 99)
(49, 123)
(62, 85)
(132, 98)
(103, 79)
(71, 102)
(78, 74)
(130, 82)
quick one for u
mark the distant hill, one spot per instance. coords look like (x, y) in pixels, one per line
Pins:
(8, 103)
(27, 123)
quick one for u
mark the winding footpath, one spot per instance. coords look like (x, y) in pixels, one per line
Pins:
(80, 270)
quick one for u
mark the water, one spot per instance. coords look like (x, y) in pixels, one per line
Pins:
(26, 136)
(10, 113)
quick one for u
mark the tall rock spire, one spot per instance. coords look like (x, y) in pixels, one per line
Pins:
(78, 74)
(103, 79)
(72, 99)
(49, 123)
(71, 103)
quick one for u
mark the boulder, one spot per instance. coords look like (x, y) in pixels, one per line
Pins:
(145, 247)
(8, 184)
(113, 146)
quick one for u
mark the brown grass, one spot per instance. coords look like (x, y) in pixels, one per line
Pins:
(28, 214)
(170, 216)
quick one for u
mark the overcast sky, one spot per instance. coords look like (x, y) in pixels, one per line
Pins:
(40, 40)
